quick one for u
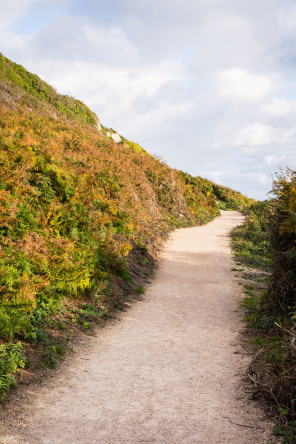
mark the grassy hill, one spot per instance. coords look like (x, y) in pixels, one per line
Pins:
(81, 219)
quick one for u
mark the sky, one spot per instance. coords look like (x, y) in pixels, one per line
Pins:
(209, 86)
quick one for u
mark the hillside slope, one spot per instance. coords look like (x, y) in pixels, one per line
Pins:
(80, 218)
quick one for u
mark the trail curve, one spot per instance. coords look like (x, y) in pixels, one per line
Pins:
(167, 372)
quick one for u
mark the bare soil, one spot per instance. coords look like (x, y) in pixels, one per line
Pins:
(167, 372)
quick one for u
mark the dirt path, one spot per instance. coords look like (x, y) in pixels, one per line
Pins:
(167, 372)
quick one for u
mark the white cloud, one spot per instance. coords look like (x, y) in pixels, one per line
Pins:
(243, 87)
(251, 136)
(287, 19)
(258, 177)
(207, 85)
(249, 150)
(11, 10)
(257, 135)
(278, 107)
(273, 159)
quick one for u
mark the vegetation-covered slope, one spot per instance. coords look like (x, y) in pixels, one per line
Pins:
(80, 218)
(18, 87)
(268, 240)
(230, 199)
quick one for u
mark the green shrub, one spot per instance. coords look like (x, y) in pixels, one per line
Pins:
(12, 358)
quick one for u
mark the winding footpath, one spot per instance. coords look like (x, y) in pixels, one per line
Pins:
(167, 372)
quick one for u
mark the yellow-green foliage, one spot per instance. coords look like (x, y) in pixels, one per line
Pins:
(18, 86)
(199, 197)
(281, 296)
(268, 240)
(11, 359)
(284, 188)
(283, 244)
(250, 241)
(230, 199)
(135, 147)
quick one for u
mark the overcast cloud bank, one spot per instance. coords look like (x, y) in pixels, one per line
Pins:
(208, 85)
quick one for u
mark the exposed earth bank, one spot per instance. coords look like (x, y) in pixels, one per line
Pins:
(168, 371)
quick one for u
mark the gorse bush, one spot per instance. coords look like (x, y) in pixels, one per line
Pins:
(282, 291)
(281, 295)
(268, 240)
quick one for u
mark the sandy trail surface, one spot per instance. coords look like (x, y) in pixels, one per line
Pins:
(167, 372)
